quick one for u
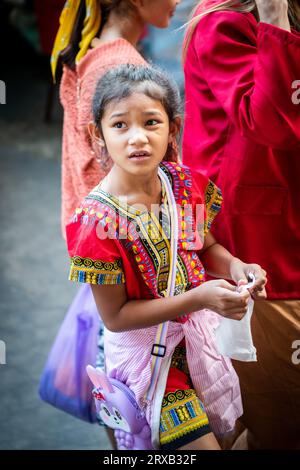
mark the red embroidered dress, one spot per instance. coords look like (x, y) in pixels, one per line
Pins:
(142, 262)
(111, 243)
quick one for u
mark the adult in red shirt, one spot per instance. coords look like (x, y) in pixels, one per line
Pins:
(242, 128)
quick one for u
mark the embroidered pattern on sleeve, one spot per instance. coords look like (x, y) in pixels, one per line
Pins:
(213, 202)
(96, 271)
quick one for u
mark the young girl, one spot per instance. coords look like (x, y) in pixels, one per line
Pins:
(120, 243)
(242, 129)
(94, 36)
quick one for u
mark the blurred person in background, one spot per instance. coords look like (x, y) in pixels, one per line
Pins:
(163, 46)
(242, 129)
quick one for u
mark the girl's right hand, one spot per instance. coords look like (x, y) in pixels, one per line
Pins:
(274, 12)
(223, 298)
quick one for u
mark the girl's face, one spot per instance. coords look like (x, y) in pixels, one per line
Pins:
(136, 133)
(157, 12)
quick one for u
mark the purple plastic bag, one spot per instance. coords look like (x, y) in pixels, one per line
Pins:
(64, 382)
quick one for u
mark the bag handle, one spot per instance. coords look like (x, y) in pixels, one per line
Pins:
(159, 347)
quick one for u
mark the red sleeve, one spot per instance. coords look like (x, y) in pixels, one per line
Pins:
(251, 68)
(207, 194)
(94, 255)
(205, 203)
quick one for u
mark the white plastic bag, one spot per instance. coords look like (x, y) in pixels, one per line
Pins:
(234, 338)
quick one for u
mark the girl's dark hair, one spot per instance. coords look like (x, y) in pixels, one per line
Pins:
(121, 82)
(68, 55)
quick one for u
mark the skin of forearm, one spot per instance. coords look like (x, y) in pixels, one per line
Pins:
(216, 261)
(136, 314)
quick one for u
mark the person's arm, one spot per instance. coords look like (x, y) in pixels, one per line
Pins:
(218, 262)
(250, 68)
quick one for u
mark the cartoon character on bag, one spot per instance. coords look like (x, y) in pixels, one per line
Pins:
(117, 407)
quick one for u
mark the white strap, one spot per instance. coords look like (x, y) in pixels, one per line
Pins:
(159, 346)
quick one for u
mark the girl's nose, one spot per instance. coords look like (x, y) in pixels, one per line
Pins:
(138, 136)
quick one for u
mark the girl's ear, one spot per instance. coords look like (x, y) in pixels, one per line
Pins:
(95, 134)
(174, 129)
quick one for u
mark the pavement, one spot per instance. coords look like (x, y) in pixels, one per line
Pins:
(34, 289)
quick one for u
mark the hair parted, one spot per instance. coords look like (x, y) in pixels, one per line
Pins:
(123, 81)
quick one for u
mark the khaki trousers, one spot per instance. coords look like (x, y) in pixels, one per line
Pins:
(271, 387)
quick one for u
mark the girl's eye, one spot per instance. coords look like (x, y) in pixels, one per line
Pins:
(151, 122)
(119, 125)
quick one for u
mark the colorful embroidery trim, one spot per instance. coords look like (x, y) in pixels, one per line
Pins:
(149, 253)
(213, 202)
(96, 272)
(182, 413)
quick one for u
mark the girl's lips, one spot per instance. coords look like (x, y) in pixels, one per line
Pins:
(140, 158)
(139, 155)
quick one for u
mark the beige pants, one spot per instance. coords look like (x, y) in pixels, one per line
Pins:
(271, 386)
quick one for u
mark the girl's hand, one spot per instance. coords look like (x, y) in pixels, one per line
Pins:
(223, 298)
(274, 12)
(240, 275)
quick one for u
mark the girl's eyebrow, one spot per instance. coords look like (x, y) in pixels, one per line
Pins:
(114, 115)
(150, 112)
(153, 111)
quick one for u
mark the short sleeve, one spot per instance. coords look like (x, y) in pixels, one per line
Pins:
(213, 202)
(206, 192)
(94, 259)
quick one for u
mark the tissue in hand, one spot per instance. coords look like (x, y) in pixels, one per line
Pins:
(233, 338)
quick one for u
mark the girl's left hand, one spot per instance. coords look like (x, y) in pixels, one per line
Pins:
(239, 273)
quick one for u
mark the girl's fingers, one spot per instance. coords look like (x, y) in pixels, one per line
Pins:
(237, 299)
(259, 294)
(258, 288)
(236, 310)
(226, 285)
(260, 282)
(240, 284)
(260, 275)
(236, 315)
